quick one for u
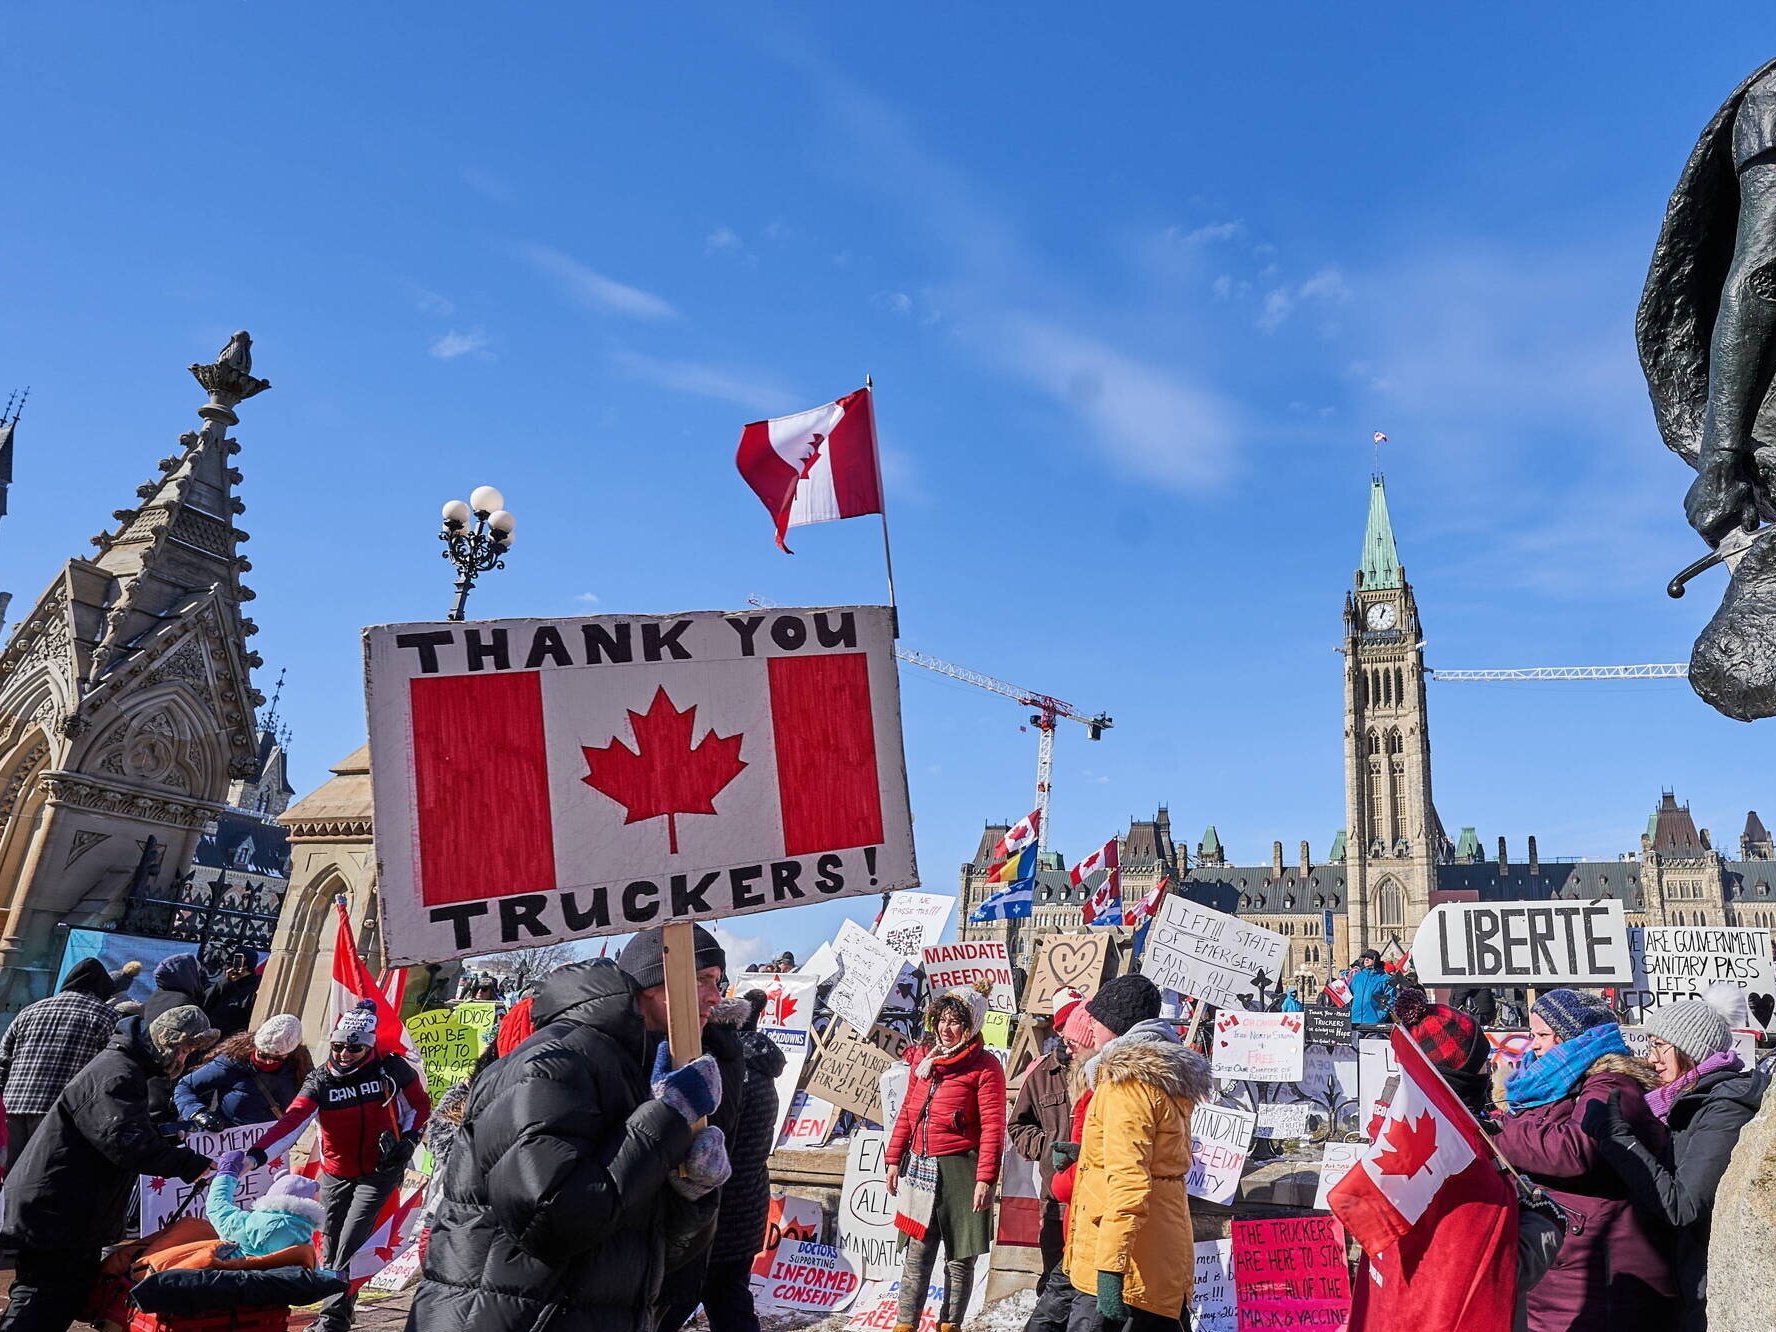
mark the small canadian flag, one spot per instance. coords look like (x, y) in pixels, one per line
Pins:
(816, 466)
(1105, 906)
(1338, 990)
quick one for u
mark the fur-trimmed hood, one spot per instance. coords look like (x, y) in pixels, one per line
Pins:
(1152, 1053)
(309, 1209)
(1626, 1065)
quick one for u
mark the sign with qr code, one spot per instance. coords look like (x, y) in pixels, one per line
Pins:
(914, 922)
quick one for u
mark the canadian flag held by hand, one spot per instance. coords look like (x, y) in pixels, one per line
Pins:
(815, 466)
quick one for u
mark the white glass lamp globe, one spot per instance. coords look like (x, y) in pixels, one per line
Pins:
(485, 499)
(501, 523)
(457, 512)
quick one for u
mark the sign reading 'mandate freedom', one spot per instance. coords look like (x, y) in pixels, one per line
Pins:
(543, 780)
(1524, 944)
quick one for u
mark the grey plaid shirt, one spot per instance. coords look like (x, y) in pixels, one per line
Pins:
(47, 1044)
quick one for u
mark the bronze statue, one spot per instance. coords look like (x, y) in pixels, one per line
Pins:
(1707, 334)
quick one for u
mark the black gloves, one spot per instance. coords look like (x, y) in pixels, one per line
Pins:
(1606, 1121)
(209, 1121)
(396, 1151)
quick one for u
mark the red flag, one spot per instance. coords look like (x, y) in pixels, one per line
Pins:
(1435, 1215)
(352, 981)
(1338, 990)
(816, 466)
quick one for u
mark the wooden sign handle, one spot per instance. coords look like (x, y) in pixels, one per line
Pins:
(684, 1029)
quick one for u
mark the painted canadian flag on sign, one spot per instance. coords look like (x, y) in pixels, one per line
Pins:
(816, 466)
(619, 773)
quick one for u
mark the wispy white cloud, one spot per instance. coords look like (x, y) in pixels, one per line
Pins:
(587, 598)
(726, 241)
(1215, 231)
(755, 393)
(591, 289)
(431, 303)
(1280, 302)
(895, 302)
(453, 345)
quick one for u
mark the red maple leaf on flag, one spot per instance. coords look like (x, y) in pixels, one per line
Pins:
(157, 1183)
(1410, 1146)
(664, 775)
(786, 1007)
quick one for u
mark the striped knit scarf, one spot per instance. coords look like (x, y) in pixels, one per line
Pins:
(917, 1197)
(1553, 1076)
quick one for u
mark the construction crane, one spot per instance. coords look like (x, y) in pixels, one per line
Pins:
(1049, 710)
(1669, 670)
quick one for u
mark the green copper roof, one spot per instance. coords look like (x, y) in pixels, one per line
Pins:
(1210, 842)
(1381, 562)
(1467, 847)
(1338, 848)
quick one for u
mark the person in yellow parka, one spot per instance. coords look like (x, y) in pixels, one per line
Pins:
(1130, 1243)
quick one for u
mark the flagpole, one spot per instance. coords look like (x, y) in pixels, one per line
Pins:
(869, 386)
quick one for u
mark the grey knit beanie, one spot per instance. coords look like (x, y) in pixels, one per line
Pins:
(1692, 1027)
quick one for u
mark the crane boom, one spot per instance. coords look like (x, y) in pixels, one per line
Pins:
(1673, 670)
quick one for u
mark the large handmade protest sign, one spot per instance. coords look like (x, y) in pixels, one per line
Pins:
(1063, 960)
(1523, 944)
(809, 1121)
(161, 1196)
(1220, 1137)
(544, 780)
(958, 965)
(448, 1048)
(1290, 1272)
(847, 1070)
(871, 968)
(867, 1235)
(1675, 962)
(1257, 1047)
(805, 1277)
(1212, 1307)
(790, 1219)
(1208, 954)
(913, 922)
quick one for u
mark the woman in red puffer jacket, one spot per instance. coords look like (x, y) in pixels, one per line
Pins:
(943, 1155)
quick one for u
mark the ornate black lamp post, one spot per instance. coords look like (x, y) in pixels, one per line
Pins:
(475, 550)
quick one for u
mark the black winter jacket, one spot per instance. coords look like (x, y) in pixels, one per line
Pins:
(554, 1190)
(746, 1197)
(72, 1186)
(691, 1224)
(1705, 1122)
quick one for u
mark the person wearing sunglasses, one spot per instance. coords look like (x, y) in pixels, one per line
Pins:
(372, 1108)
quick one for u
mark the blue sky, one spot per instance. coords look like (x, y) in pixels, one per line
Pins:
(1136, 285)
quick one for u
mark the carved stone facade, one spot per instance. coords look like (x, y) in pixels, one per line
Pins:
(126, 705)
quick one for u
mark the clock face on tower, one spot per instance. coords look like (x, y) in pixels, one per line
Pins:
(1381, 617)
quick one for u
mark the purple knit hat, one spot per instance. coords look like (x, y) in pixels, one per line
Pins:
(293, 1186)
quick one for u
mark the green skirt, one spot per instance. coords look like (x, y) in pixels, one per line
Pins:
(965, 1232)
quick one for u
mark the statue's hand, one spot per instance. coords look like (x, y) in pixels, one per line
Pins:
(1722, 497)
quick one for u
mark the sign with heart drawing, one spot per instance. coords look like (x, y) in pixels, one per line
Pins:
(1066, 959)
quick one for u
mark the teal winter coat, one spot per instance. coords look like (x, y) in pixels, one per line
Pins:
(273, 1223)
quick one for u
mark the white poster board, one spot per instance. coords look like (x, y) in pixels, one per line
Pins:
(1676, 962)
(1524, 944)
(871, 968)
(1212, 1304)
(806, 1277)
(1220, 1137)
(1375, 1066)
(161, 1196)
(809, 1122)
(1208, 954)
(1339, 1160)
(866, 1210)
(954, 965)
(913, 922)
(624, 772)
(1257, 1047)
(787, 1022)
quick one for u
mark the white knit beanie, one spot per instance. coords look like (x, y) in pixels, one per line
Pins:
(1693, 1027)
(278, 1036)
(974, 999)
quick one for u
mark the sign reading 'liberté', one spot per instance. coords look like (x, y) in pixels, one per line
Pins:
(1524, 944)
(542, 780)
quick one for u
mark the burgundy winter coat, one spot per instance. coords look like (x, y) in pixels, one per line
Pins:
(1613, 1274)
(960, 1108)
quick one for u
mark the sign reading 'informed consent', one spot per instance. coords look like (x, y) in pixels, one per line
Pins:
(1523, 944)
(544, 780)
(1208, 954)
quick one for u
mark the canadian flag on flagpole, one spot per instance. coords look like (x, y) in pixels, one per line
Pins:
(1338, 990)
(1148, 907)
(1435, 1215)
(1025, 832)
(1105, 905)
(816, 466)
(353, 982)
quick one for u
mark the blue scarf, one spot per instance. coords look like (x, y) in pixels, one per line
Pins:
(1551, 1077)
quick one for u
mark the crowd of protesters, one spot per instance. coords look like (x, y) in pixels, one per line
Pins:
(582, 1182)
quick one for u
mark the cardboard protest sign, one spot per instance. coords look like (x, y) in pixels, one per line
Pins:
(624, 772)
(1290, 1273)
(1062, 960)
(1220, 1137)
(480, 1016)
(161, 1197)
(809, 1122)
(847, 1071)
(867, 1235)
(1537, 944)
(1326, 1026)
(1208, 954)
(806, 1278)
(1340, 1159)
(959, 965)
(790, 1219)
(871, 968)
(1212, 1307)
(913, 922)
(1257, 1047)
(448, 1047)
(1676, 962)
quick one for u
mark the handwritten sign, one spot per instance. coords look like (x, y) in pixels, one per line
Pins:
(1677, 962)
(1340, 1159)
(809, 1122)
(1208, 954)
(958, 965)
(1326, 1025)
(1286, 1119)
(877, 1305)
(914, 922)
(807, 1278)
(1212, 1307)
(1063, 960)
(848, 1072)
(479, 1015)
(448, 1047)
(996, 1030)
(1220, 1137)
(1257, 1047)
(871, 968)
(1523, 944)
(160, 1197)
(1329, 1075)
(1290, 1273)
(866, 1209)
